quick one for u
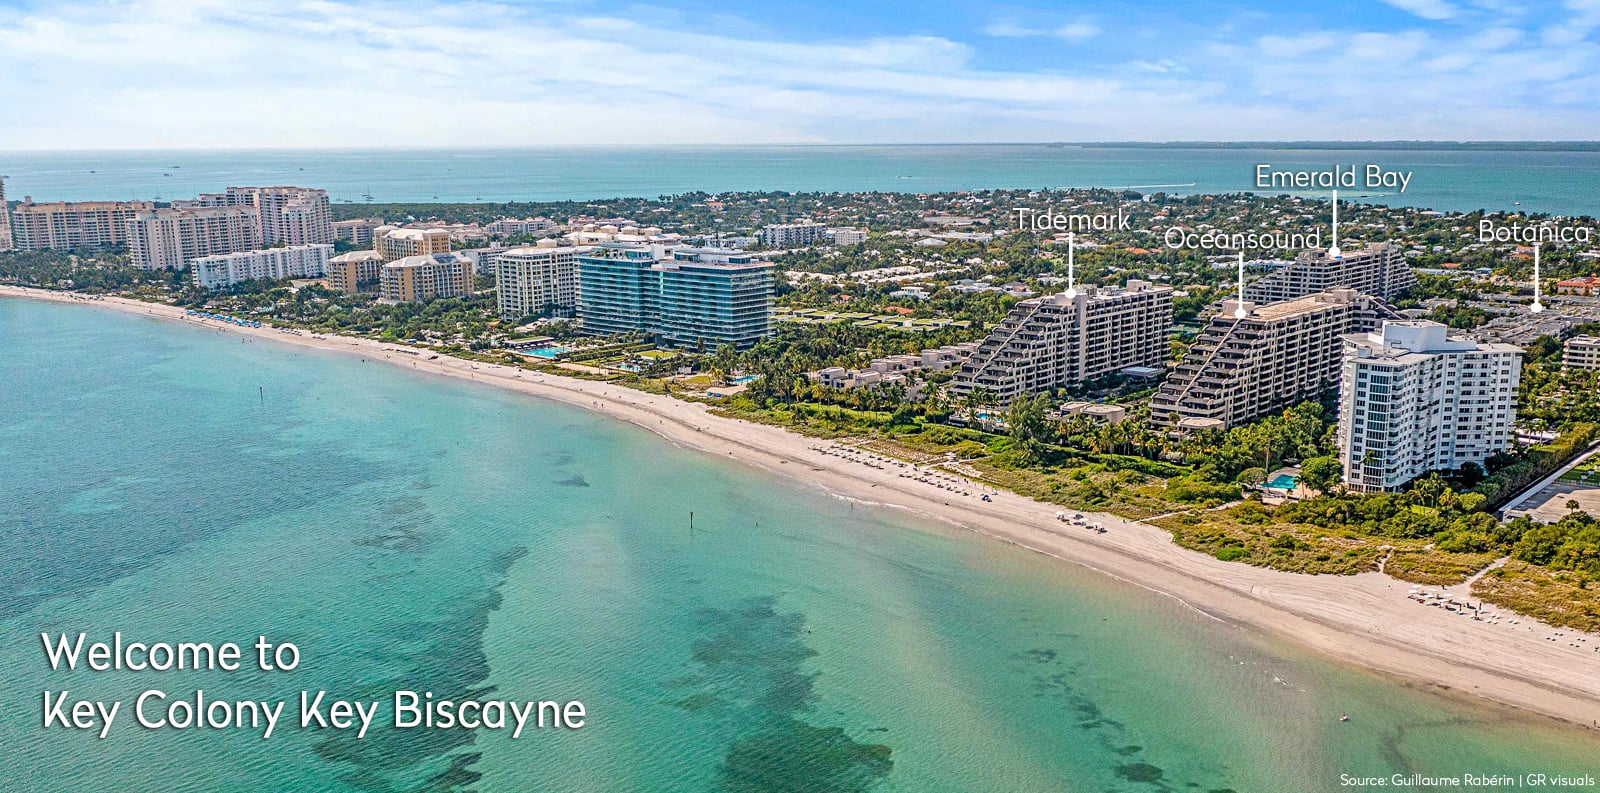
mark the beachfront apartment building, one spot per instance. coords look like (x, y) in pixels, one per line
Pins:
(709, 297)
(285, 215)
(426, 277)
(682, 296)
(393, 242)
(292, 261)
(355, 272)
(617, 288)
(1377, 269)
(1060, 341)
(171, 238)
(792, 235)
(1413, 400)
(74, 225)
(1275, 356)
(5, 218)
(537, 280)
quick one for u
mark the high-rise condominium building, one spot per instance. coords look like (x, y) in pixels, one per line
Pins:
(711, 297)
(536, 280)
(1377, 269)
(684, 296)
(171, 238)
(1059, 341)
(394, 243)
(421, 278)
(293, 261)
(287, 215)
(5, 218)
(73, 225)
(1413, 400)
(355, 272)
(1276, 356)
(792, 235)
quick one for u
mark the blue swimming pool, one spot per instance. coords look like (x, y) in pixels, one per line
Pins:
(1282, 482)
(547, 352)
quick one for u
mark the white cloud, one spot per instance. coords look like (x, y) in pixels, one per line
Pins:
(234, 73)
(1427, 9)
(1071, 31)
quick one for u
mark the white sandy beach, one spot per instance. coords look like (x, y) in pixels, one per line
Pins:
(1365, 620)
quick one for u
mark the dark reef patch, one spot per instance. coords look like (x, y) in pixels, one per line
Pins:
(448, 654)
(752, 667)
(1141, 772)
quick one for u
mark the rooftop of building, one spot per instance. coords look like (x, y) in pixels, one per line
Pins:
(544, 247)
(1409, 341)
(358, 256)
(311, 246)
(81, 206)
(428, 259)
(1310, 304)
(1091, 292)
(1346, 251)
(410, 234)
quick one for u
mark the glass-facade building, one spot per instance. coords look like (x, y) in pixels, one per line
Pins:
(685, 297)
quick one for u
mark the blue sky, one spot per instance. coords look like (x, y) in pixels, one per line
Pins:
(250, 73)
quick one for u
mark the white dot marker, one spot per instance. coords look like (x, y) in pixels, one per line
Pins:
(1333, 250)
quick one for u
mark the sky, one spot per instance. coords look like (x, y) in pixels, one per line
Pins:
(135, 74)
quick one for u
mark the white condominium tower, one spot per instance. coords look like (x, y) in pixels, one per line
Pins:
(1274, 357)
(292, 261)
(171, 238)
(1057, 341)
(791, 235)
(537, 279)
(1412, 400)
(288, 215)
(1377, 269)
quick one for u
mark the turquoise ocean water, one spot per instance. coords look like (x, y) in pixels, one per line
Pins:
(1452, 180)
(408, 531)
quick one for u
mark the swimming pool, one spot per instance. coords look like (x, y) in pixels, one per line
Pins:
(1282, 482)
(547, 352)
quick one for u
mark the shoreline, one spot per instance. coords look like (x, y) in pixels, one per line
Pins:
(1365, 620)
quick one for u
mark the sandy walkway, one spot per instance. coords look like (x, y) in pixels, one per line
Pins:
(1365, 619)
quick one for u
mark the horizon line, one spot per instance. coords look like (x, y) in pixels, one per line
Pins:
(1416, 143)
